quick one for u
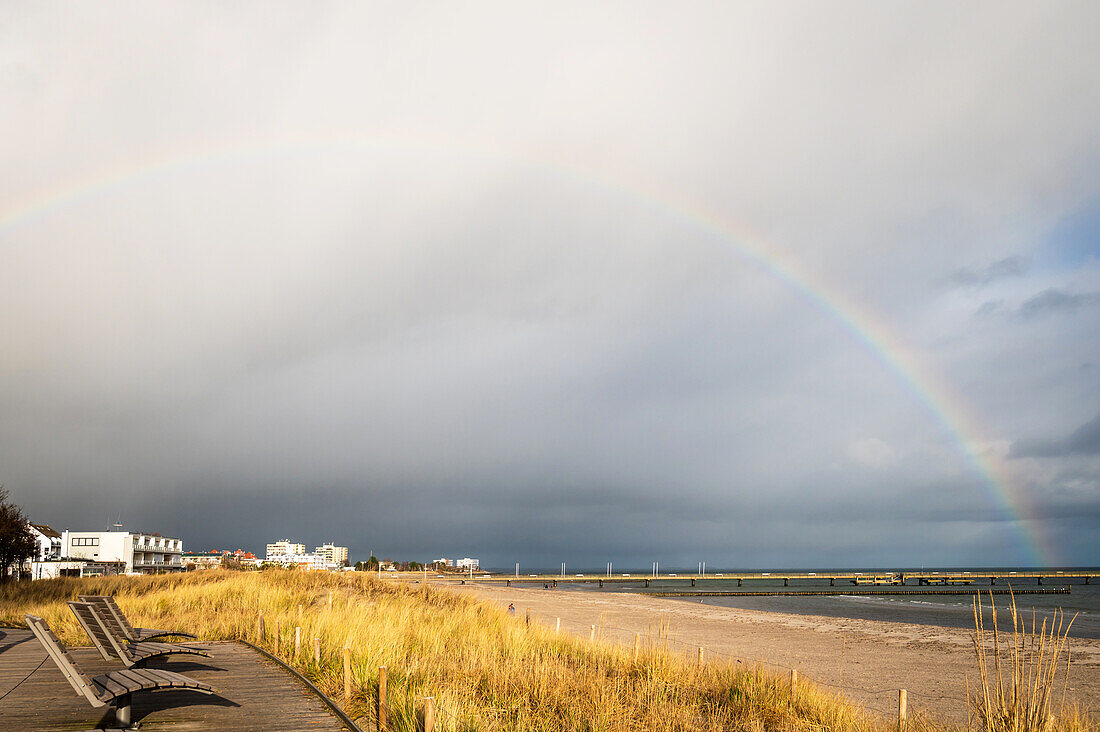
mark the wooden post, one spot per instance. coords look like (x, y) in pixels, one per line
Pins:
(383, 703)
(592, 635)
(527, 617)
(794, 679)
(637, 643)
(557, 627)
(261, 632)
(347, 676)
(317, 651)
(330, 599)
(429, 714)
(700, 655)
(901, 708)
(297, 640)
(278, 637)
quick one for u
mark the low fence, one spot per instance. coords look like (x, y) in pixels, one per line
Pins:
(895, 702)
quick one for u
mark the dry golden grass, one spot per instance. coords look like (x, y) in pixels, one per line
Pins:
(486, 670)
(1018, 676)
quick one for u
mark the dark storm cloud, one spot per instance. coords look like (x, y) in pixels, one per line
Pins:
(1085, 440)
(1001, 269)
(582, 527)
(1053, 301)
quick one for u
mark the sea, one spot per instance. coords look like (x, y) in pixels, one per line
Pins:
(1081, 605)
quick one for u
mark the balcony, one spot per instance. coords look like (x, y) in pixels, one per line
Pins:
(157, 566)
(158, 548)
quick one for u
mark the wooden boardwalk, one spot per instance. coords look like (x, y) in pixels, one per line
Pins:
(253, 693)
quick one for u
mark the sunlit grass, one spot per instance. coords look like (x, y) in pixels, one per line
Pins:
(486, 669)
(1018, 679)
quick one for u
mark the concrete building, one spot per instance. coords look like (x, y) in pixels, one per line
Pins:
(135, 552)
(218, 557)
(332, 554)
(47, 543)
(468, 563)
(302, 561)
(445, 562)
(202, 560)
(50, 568)
(285, 548)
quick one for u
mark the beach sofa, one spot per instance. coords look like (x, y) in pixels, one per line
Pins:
(115, 687)
(131, 633)
(107, 637)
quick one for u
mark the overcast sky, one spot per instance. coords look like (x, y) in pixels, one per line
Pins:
(417, 278)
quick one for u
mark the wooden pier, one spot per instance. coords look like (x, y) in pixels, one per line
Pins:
(254, 694)
(1013, 578)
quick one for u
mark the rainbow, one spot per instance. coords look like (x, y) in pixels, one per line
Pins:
(863, 326)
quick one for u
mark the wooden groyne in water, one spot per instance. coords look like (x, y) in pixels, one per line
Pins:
(850, 593)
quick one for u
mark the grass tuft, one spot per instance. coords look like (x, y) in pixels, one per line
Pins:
(1018, 675)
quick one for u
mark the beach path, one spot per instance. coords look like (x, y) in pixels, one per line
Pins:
(253, 693)
(867, 661)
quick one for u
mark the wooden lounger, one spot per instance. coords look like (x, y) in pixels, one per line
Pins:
(132, 634)
(112, 688)
(107, 637)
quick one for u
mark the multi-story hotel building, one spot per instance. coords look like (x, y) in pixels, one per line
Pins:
(332, 554)
(134, 551)
(283, 549)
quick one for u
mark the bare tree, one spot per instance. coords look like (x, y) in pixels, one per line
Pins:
(16, 539)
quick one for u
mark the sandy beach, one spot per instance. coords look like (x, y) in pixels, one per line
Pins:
(867, 660)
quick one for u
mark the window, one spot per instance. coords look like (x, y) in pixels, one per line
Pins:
(86, 541)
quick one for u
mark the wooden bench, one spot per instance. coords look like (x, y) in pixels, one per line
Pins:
(132, 634)
(115, 687)
(106, 635)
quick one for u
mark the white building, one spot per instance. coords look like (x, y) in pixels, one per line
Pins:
(136, 552)
(468, 563)
(51, 568)
(202, 560)
(332, 554)
(47, 543)
(445, 562)
(280, 550)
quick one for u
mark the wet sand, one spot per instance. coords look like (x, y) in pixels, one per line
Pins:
(869, 660)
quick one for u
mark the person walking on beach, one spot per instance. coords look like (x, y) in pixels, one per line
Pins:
(511, 608)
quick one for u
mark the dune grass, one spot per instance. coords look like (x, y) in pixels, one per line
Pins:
(485, 669)
(1018, 674)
